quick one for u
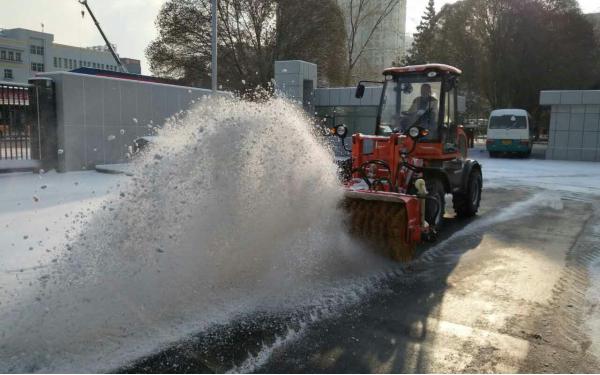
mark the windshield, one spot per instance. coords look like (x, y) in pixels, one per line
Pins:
(406, 103)
(508, 122)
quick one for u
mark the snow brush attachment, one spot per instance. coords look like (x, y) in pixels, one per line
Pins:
(380, 221)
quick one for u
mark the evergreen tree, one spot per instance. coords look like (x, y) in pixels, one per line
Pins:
(422, 49)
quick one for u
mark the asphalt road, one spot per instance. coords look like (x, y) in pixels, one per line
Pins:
(504, 294)
(505, 298)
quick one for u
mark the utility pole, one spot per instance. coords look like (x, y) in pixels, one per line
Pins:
(214, 46)
(110, 48)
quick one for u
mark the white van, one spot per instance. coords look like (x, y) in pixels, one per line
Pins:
(510, 131)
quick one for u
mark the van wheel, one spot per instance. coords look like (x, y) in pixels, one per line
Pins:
(466, 203)
(493, 154)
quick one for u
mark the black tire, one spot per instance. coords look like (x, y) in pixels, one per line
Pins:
(466, 204)
(434, 213)
(493, 154)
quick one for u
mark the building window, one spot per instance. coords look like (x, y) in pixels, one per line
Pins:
(8, 74)
(36, 50)
(18, 56)
(55, 62)
(65, 63)
(3, 55)
(37, 67)
(80, 63)
(70, 64)
(11, 55)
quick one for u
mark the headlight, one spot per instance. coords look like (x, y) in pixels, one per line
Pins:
(413, 132)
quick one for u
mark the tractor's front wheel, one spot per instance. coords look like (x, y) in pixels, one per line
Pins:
(466, 203)
(434, 211)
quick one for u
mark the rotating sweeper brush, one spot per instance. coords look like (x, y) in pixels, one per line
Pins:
(395, 196)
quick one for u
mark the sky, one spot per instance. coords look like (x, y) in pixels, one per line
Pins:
(130, 23)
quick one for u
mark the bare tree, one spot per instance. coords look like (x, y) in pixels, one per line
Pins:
(250, 38)
(363, 17)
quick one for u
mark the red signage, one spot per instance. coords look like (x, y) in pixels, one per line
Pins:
(12, 95)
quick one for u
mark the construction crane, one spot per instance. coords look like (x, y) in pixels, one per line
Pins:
(110, 48)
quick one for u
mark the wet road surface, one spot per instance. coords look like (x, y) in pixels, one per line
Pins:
(503, 294)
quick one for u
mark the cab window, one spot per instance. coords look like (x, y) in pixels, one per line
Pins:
(450, 121)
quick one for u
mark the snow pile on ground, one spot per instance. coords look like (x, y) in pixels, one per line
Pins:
(233, 210)
(569, 176)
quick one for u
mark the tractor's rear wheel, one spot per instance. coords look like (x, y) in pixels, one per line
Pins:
(466, 203)
(434, 213)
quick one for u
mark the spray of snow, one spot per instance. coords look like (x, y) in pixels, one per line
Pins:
(233, 210)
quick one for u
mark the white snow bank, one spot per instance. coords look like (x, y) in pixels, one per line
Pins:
(569, 176)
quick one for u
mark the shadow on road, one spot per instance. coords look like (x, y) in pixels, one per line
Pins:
(392, 330)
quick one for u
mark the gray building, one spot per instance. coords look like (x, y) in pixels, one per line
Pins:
(574, 132)
(386, 45)
(24, 53)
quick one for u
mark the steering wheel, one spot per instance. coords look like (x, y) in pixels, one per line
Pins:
(362, 170)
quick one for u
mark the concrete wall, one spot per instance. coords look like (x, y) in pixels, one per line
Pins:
(99, 117)
(574, 132)
(289, 80)
(344, 96)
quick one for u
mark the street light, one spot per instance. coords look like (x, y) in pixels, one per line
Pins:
(214, 46)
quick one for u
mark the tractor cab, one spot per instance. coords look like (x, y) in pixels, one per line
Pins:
(424, 96)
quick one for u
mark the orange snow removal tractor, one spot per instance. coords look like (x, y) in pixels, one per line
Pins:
(401, 175)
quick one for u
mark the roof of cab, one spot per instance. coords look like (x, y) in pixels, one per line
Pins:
(509, 111)
(422, 68)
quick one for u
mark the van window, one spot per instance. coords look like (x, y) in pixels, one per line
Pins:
(508, 122)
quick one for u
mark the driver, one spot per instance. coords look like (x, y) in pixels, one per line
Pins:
(425, 108)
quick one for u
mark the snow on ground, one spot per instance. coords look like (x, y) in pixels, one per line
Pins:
(38, 213)
(569, 176)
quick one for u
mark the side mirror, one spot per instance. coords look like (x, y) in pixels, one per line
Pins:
(360, 91)
(341, 131)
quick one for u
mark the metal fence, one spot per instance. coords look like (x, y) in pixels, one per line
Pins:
(18, 123)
